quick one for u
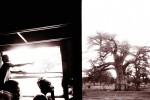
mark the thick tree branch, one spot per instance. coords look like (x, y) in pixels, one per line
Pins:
(105, 65)
(128, 63)
(115, 46)
(107, 69)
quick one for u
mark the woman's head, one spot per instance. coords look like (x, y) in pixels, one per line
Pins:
(5, 95)
(13, 87)
(40, 97)
(44, 85)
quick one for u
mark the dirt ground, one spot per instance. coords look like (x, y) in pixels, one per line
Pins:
(97, 94)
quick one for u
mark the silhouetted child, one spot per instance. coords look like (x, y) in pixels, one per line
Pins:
(5, 69)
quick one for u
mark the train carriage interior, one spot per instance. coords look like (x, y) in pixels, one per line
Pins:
(51, 41)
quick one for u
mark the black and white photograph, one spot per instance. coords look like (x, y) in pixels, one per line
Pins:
(115, 49)
(40, 50)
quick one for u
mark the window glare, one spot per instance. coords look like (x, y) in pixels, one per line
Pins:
(44, 59)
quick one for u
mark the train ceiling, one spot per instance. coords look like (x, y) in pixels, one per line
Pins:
(22, 24)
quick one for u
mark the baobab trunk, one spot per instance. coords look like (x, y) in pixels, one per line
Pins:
(120, 80)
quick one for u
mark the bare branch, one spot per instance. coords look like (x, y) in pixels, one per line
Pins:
(128, 63)
(105, 65)
(108, 69)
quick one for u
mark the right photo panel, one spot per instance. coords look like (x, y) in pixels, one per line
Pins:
(115, 50)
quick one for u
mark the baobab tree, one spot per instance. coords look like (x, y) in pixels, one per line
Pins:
(121, 53)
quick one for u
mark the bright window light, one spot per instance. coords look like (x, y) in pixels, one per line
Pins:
(46, 61)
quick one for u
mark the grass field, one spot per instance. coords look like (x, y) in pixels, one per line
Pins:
(94, 93)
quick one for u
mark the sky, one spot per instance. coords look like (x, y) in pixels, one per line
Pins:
(128, 19)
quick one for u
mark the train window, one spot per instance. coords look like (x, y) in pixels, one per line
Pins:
(46, 63)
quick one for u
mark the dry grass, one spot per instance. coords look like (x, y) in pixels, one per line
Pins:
(97, 94)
